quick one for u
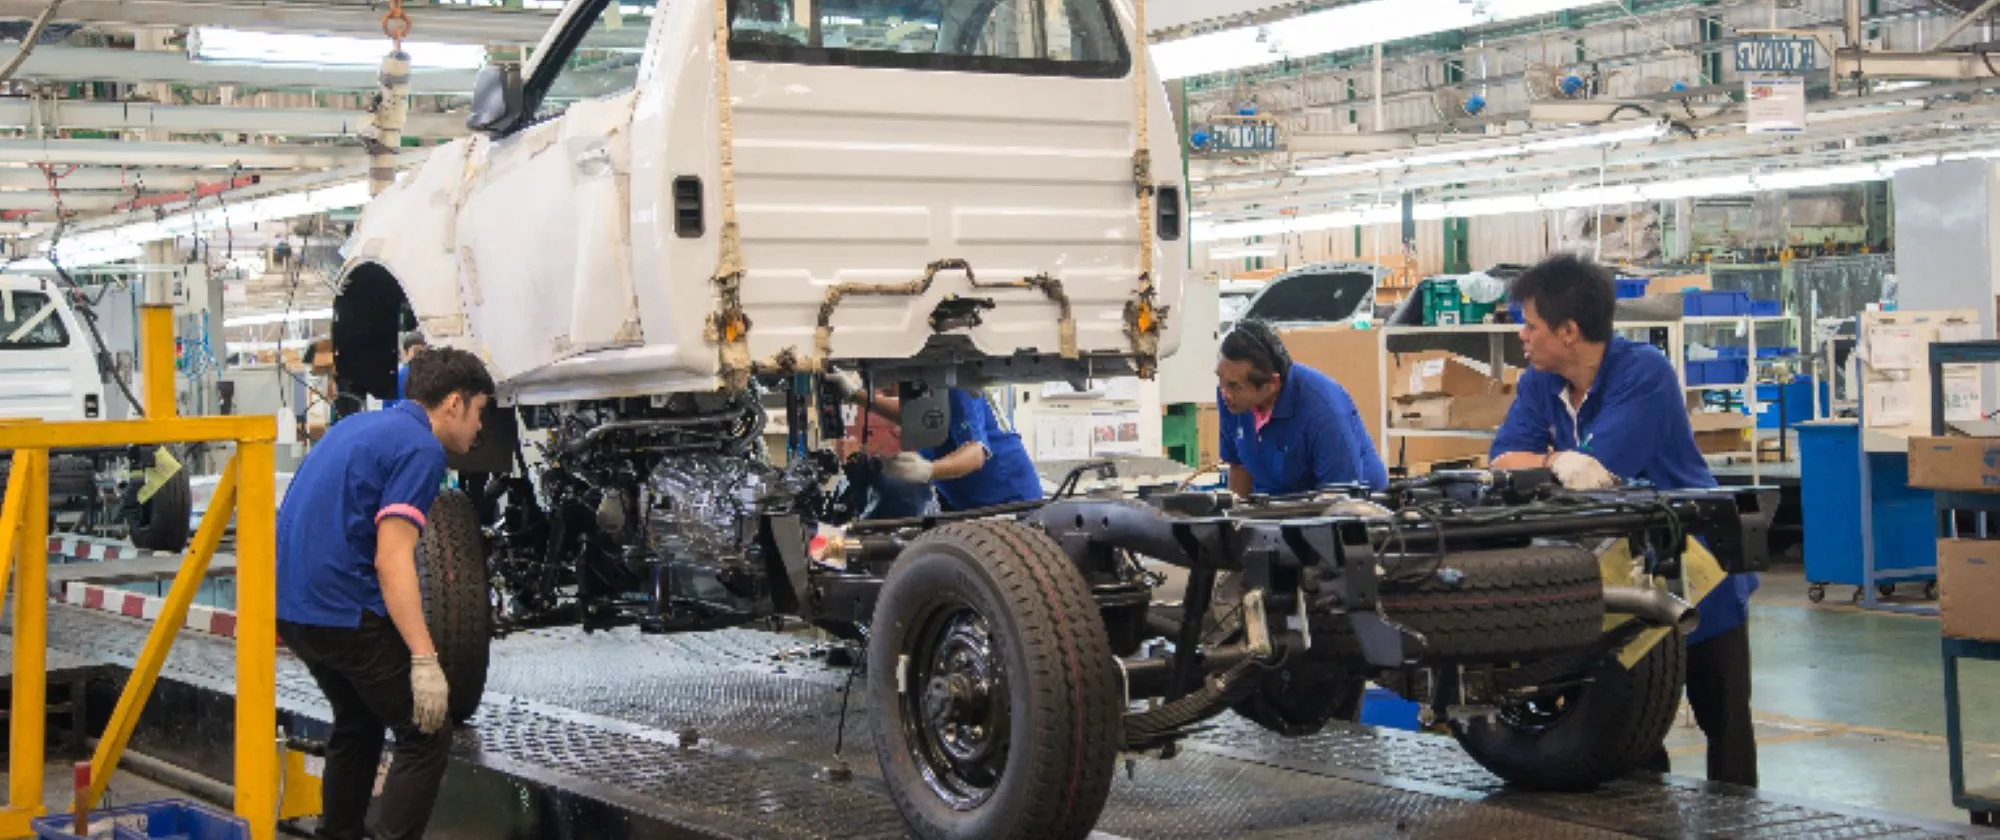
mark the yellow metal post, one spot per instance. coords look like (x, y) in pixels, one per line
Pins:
(156, 359)
(31, 604)
(18, 487)
(173, 614)
(257, 636)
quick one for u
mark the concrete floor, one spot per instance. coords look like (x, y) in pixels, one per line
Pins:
(1850, 705)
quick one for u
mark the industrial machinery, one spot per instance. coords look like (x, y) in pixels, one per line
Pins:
(635, 317)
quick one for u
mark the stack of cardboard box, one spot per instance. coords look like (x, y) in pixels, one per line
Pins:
(1354, 359)
(1718, 431)
(1439, 390)
(1968, 569)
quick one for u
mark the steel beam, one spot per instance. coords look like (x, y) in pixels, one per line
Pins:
(1900, 65)
(199, 119)
(155, 180)
(53, 62)
(453, 24)
(113, 153)
(95, 201)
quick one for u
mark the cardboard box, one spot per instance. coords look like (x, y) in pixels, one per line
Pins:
(1713, 421)
(1474, 411)
(1208, 429)
(1679, 283)
(1968, 586)
(1955, 463)
(1717, 441)
(1436, 372)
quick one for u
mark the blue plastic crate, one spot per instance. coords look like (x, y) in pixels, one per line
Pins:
(1718, 372)
(1776, 352)
(1766, 308)
(1715, 304)
(167, 819)
(1382, 707)
(1631, 287)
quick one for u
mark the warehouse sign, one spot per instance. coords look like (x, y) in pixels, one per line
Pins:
(1775, 104)
(1777, 55)
(1242, 134)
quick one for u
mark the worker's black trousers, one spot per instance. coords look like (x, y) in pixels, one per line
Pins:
(365, 673)
(1718, 687)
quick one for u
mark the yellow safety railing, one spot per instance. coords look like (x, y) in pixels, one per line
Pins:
(246, 490)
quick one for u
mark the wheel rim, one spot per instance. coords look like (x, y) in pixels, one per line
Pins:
(1541, 713)
(955, 710)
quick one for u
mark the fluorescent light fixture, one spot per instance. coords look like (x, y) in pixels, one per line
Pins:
(294, 317)
(208, 43)
(127, 242)
(1584, 197)
(1593, 139)
(1340, 28)
(1243, 252)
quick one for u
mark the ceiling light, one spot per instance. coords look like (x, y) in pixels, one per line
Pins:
(207, 43)
(1243, 252)
(1586, 140)
(1341, 28)
(294, 317)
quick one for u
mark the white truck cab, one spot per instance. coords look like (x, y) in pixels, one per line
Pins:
(969, 183)
(48, 370)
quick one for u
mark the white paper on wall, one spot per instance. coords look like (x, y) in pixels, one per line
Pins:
(1062, 437)
(1892, 348)
(1961, 395)
(1889, 404)
(1114, 433)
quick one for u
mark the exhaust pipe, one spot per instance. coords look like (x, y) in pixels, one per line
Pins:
(1652, 606)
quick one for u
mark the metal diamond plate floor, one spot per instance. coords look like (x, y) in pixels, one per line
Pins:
(604, 714)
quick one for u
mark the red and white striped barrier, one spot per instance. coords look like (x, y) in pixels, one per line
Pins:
(91, 596)
(79, 548)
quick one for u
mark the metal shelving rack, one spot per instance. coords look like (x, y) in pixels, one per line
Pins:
(1984, 805)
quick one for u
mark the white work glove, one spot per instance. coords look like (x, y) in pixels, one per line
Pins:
(1577, 471)
(846, 385)
(908, 467)
(432, 693)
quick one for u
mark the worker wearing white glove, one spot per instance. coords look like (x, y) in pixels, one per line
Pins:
(1577, 471)
(349, 603)
(979, 465)
(1598, 408)
(430, 693)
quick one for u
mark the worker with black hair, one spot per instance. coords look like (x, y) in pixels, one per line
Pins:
(1599, 410)
(1287, 428)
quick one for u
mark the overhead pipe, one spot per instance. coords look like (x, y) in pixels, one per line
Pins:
(200, 192)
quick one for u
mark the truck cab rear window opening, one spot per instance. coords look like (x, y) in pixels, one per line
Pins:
(29, 322)
(1077, 38)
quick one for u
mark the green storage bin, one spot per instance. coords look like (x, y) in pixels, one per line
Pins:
(1443, 305)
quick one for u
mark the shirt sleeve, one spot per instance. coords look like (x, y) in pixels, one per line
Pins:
(969, 419)
(410, 483)
(1336, 448)
(1632, 427)
(1526, 429)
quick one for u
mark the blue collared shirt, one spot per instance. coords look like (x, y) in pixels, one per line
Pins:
(369, 467)
(1008, 476)
(1314, 439)
(1634, 421)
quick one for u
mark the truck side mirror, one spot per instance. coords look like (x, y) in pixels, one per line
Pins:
(496, 99)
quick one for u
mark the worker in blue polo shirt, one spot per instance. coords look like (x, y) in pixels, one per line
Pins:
(348, 600)
(1287, 428)
(1599, 410)
(979, 465)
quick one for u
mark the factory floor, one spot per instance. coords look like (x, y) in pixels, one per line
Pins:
(1849, 705)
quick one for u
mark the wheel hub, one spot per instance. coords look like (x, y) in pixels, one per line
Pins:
(960, 713)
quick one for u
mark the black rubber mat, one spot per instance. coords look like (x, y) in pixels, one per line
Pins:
(721, 734)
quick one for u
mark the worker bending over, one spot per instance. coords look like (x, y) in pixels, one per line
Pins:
(1287, 428)
(979, 465)
(348, 599)
(1598, 409)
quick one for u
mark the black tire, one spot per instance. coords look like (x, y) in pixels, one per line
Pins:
(161, 522)
(1597, 731)
(983, 598)
(1505, 605)
(458, 605)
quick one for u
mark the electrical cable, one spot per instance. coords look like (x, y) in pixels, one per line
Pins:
(28, 41)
